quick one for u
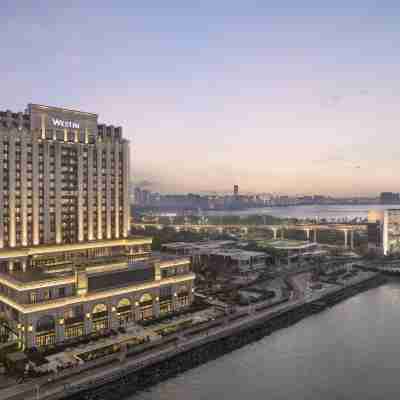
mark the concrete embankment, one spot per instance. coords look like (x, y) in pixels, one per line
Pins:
(202, 346)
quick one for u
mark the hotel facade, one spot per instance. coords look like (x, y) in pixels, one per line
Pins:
(384, 231)
(68, 265)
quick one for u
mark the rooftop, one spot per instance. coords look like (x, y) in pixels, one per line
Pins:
(209, 244)
(286, 244)
(137, 272)
(102, 275)
(238, 254)
(55, 248)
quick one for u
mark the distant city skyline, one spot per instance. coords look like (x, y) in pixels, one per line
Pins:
(290, 98)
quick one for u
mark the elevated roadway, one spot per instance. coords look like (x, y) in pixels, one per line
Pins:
(310, 230)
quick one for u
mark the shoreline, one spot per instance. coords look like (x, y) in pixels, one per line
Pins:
(128, 381)
(116, 378)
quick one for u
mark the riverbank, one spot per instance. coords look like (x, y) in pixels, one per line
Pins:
(119, 376)
(234, 332)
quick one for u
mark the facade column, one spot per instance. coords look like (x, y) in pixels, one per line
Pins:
(10, 265)
(307, 231)
(345, 238)
(58, 190)
(29, 334)
(352, 239)
(175, 299)
(156, 307)
(29, 324)
(175, 303)
(116, 190)
(136, 310)
(60, 327)
(191, 292)
(114, 320)
(11, 191)
(24, 198)
(315, 235)
(80, 194)
(35, 189)
(99, 191)
(46, 191)
(90, 192)
(108, 190)
(1, 196)
(88, 318)
(125, 187)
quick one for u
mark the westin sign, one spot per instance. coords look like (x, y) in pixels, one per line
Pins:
(64, 124)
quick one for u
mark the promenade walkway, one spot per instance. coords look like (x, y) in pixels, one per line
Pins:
(41, 389)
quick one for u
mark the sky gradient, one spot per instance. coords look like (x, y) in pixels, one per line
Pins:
(276, 96)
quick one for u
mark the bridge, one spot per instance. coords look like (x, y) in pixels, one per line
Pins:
(310, 230)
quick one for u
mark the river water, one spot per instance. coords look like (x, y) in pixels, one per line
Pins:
(339, 212)
(350, 351)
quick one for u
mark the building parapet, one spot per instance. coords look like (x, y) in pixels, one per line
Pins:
(55, 248)
(93, 296)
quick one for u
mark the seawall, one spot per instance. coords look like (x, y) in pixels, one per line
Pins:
(234, 335)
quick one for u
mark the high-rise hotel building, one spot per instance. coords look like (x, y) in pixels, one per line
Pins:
(68, 266)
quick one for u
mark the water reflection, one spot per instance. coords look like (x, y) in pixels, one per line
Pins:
(347, 352)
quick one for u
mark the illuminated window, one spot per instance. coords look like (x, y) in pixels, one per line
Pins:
(74, 331)
(45, 340)
(33, 297)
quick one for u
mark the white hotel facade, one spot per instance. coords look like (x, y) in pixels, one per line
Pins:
(68, 266)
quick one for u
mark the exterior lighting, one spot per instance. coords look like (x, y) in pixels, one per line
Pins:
(72, 262)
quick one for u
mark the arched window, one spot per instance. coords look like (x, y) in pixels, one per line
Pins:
(146, 298)
(124, 305)
(45, 324)
(99, 308)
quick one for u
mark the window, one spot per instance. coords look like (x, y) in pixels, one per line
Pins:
(45, 340)
(61, 292)
(78, 310)
(74, 331)
(47, 294)
(33, 297)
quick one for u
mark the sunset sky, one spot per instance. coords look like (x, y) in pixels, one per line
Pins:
(276, 96)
